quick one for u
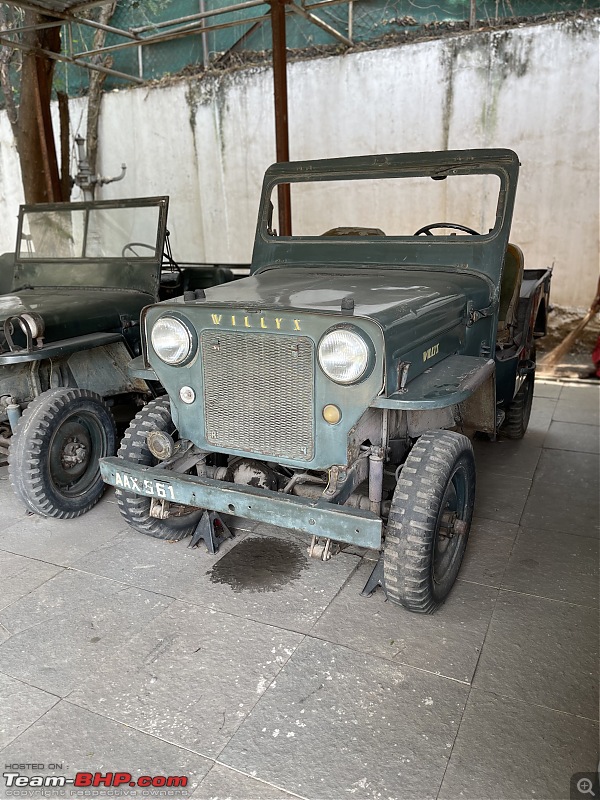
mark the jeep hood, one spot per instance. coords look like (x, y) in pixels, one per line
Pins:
(73, 312)
(389, 296)
(422, 313)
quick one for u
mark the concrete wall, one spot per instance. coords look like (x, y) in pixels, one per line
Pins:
(207, 142)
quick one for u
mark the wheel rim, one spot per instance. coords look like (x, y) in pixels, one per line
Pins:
(451, 527)
(77, 444)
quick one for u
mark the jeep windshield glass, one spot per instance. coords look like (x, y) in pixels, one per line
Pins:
(76, 233)
(390, 207)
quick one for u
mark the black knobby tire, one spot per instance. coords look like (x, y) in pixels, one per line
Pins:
(54, 452)
(421, 560)
(156, 415)
(518, 412)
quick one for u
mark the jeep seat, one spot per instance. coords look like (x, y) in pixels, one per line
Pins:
(342, 231)
(510, 287)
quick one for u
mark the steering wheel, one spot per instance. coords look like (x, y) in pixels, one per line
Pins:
(426, 229)
(132, 245)
(168, 267)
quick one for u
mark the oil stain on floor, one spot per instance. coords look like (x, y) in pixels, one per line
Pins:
(262, 564)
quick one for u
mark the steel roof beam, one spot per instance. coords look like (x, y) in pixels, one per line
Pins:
(302, 12)
(68, 60)
(67, 17)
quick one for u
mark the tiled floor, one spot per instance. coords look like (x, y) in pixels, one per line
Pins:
(123, 653)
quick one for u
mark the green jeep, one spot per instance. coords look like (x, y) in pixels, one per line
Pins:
(69, 327)
(331, 391)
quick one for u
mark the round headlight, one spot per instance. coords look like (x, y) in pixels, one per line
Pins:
(343, 356)
(171, 340)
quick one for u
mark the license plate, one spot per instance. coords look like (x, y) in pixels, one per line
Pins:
(144, 486)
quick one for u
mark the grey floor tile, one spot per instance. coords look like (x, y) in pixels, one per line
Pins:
(571, 511)
(223, 783)
(157, 565)
(338, 724)
(12, 509)
(501, 497)
(568, 471)
(20, 575)
(21, 706)
(540, 420)
(89, 742)
(190, 677)
(564, 495)
(71, 627)
(447, 643)
(544, 652)
(549, 564)
(573, 436)
(61, 541)
(511, 750)
(487, 553)
(548, 389)
(506, 457)
(269, 577)
(579, 404)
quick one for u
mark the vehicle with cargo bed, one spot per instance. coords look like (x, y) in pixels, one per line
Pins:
(69, 327)
(334, 391)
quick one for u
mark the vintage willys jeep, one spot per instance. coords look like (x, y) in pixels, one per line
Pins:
(69, 327)
(331, 390)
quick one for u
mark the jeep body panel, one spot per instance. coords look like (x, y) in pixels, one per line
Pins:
(75, 312)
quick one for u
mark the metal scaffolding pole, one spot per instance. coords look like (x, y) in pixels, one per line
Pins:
(281, 111)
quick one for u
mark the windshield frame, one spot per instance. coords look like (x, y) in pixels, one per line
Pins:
(89, 206)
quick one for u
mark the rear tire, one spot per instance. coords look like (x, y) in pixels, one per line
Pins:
(519, 411)
(54, 452)
(429, 521)
(156, 415)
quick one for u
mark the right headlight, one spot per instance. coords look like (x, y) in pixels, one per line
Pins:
(171, 340)
(343, 355)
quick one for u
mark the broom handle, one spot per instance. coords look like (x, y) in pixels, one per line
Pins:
(568, 341)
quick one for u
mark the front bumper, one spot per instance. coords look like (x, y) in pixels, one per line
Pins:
(314, 517)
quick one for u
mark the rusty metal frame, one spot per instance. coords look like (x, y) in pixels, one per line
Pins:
(169, 30)
(66, 13)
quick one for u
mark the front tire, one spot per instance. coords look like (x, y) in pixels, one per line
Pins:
(54, 453)
(135, 509)
(429, 521)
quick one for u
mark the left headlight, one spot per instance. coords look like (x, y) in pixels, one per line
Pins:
(343, 355)
(171, 340)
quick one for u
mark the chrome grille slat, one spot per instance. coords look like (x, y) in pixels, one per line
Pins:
(259, 393)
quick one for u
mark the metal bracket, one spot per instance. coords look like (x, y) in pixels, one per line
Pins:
(322, 549)
(206, 530)
(375, 579)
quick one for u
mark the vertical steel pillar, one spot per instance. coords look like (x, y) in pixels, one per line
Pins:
(281, 111)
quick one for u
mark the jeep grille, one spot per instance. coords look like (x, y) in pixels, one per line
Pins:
(258, 393)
